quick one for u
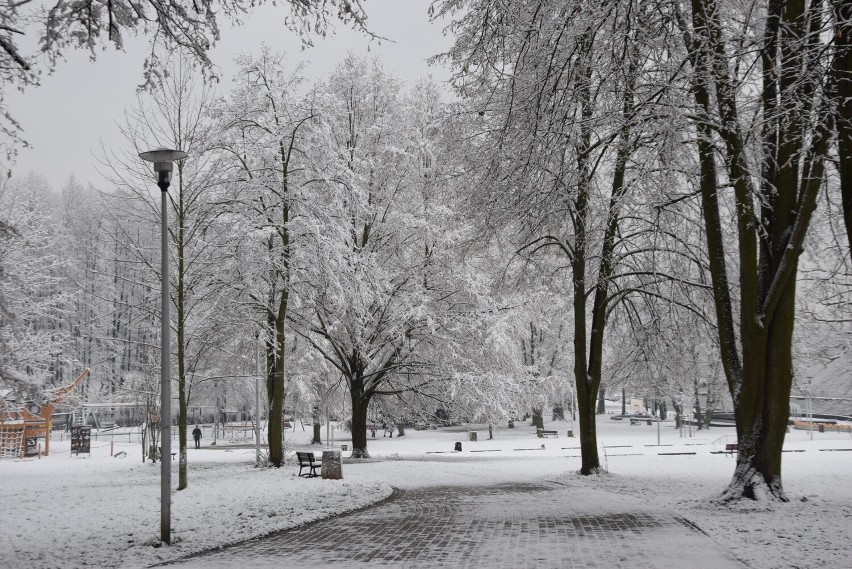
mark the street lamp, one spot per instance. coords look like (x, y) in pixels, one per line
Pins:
(163, 159)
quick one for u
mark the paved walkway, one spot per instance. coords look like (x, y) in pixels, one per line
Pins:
(491, 527)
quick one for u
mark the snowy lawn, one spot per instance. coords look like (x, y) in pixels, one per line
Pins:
(100, 511)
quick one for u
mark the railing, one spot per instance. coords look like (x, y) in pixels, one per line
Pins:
(720, 443)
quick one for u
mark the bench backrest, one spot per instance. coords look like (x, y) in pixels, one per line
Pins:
(305, 457)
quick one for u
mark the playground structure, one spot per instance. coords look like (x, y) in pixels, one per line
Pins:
(20, 429)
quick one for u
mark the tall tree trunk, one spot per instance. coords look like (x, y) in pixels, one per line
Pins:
(586, 385)
(180, 301)
(760, 385)
(276, 403)
(360, 403)
(842, 80)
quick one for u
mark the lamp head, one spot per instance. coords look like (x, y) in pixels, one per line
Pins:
(163, 159)
(160, 155)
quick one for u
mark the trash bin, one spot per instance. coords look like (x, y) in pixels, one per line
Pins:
(458, 447)
(332, 464)
(471, 436)
(821, 428)
(570, 434)
(344, 448)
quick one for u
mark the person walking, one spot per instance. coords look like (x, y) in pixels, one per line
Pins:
(196, 434)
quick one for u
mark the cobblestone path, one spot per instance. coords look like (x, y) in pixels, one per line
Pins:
(489, 527)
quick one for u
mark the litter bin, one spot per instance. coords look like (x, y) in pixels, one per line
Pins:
(344, 448)
(821, 428)
(471, 436)
(458, 447)
(570, 434)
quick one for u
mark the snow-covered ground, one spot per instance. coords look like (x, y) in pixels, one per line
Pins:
(101, 511)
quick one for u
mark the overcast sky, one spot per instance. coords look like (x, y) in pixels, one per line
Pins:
(74, 111)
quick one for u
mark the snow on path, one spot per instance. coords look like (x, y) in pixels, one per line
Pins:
(100, 511)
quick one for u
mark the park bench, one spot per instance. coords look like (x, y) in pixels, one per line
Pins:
(731, 448)
(542, 433)
(307, 460)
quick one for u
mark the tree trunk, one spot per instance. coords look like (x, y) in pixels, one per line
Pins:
(180, 301)
(678, 413)
(601, 409)
(317, 440)
(623, 401)
(699, 418)
(360, 403)
(400, 429)
(792, 169)
(590, 463)
(537, 419)
(276, 395)
(842, 75)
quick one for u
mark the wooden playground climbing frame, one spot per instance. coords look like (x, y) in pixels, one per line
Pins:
(19, 426)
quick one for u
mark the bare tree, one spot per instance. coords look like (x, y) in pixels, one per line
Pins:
(773, 200)
(179, 110)
(566, 96)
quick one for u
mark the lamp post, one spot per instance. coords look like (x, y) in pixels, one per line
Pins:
(163, 159)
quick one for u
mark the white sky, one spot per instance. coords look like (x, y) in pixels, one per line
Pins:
(73, 112)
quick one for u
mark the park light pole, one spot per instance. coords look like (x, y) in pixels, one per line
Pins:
(163, 159)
